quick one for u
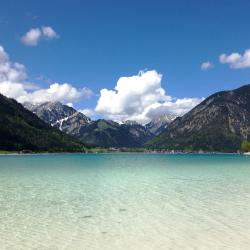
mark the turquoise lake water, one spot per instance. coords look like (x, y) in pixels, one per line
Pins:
(125, 202)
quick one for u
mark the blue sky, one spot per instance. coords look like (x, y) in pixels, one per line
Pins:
(100, 41)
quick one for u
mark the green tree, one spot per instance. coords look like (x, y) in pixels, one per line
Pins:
(245, 146)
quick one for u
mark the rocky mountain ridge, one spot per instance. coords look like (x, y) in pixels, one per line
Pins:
(20, 130)
(220, 123)
(63, 117)
(159, 123)
(103, 133)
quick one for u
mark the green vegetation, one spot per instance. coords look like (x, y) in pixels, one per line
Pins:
(3, 152)
(96, 150)
(107, 134)
(245, 146)
(217, 124)
(208, 140)
(113, 150)
(21, 130)
(103, 125)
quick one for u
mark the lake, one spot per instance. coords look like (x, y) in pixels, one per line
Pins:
(124, 202)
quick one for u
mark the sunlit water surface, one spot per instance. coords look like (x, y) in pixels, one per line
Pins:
(125, 202)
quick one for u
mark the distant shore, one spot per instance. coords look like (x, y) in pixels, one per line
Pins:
(119, 150)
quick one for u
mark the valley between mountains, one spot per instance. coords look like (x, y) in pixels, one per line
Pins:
(220, 123)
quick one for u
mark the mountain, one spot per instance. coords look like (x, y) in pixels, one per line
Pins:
(20, 129)
(130, 122)
(106, 133)
(219, 123)
(102, 133)
(159, 123)
(138, 132)
(63, 117)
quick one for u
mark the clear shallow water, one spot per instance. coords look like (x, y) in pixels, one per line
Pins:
(125, 202)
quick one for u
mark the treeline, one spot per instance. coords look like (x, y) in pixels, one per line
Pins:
(21, 130)
(245, 146)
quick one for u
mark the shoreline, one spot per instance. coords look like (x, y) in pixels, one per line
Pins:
(246, 153)
(123, 152)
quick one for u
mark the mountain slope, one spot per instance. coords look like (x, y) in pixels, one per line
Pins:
(107, 133)
(61, 116)
(159, 123)
(20, 129)
(219, 123)
(102, 133)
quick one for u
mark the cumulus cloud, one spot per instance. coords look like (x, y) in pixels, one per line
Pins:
(3, 55)
(206, 66)
(11, 74)
(139, 98)
(175, 106)
(34, 35)
(64, 93)
(236, 60)
(49, 33)
(12, 90)
(14, 84)
(88, 112)
(70, 104)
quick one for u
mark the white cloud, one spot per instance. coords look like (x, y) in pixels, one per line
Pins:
(88, 112)
(236, 60)
(12, 90)
(49, 33)
(206, 66)
(10, 72)
(175, 106)
(14, 84)
(70, 104)
(56, 92)
(34, 35)
(139, 97)
(3, 55)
